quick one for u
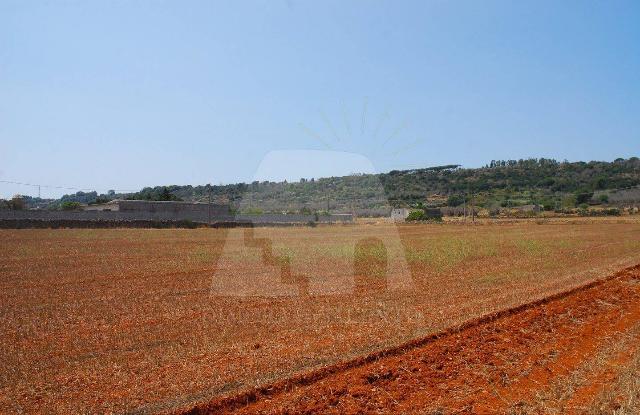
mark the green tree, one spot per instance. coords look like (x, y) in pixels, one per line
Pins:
(165, 194)
(17, 202)
(569, 202)
(455, 200)
(583, 197)
(416, 215)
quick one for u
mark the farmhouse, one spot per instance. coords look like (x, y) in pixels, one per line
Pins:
(399, 214)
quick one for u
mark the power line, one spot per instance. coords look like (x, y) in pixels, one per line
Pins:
(64, 187)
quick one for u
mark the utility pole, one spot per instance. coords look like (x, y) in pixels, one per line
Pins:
(209, 207)
(473, 211)
(326, 195)
(464, 207)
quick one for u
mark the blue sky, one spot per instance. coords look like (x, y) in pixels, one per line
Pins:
(124, 94)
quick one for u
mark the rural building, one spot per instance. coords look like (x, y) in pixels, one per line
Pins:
(103, 207)
(400, 214)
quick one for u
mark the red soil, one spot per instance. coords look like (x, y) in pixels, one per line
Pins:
(492, 365)
(128, 321)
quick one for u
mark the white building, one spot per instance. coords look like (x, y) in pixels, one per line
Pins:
(399, 214)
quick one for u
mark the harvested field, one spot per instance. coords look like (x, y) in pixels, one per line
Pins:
(565, 355)
(147, 320)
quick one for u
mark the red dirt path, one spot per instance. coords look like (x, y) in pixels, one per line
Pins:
(497, 364)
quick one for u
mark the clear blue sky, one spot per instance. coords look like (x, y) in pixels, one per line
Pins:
(125, 94)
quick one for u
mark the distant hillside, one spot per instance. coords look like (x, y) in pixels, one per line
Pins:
(500, 183)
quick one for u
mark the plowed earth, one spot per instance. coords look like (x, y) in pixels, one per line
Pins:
(515, 361)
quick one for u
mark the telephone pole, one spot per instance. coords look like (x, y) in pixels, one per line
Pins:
(209, 207)
(473, 211)
(464, 207)
(326, 195)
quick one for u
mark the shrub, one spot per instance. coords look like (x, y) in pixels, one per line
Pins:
(253, 211)
(583, 197)
(455, 200)
(420, 215)
(416, 215)
(600, 212)
(569, 202)
(70, 206)
(612, 212)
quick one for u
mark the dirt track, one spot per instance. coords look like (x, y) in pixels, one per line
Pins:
(559, 356)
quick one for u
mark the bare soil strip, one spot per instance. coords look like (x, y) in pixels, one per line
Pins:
(495, 364)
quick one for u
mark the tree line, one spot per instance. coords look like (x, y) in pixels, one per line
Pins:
(499, 182)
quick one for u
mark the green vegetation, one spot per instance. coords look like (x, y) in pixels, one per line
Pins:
(444, 253)
(158, 193)
(455, 200)
(252, 211)
(17, 202)
(424, 215)
(502, 183)
(70, 206)
(516, 183)
(601, 212)
(416, 215)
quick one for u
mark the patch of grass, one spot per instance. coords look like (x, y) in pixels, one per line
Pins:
(491, 279)
(203, 255)
(532, 247)
(445, 253)
(284, 254)
(341, 251)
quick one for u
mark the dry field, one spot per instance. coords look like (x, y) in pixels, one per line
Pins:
(134, 320)
(573, 353)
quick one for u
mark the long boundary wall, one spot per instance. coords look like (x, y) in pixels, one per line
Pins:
(44, 215)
